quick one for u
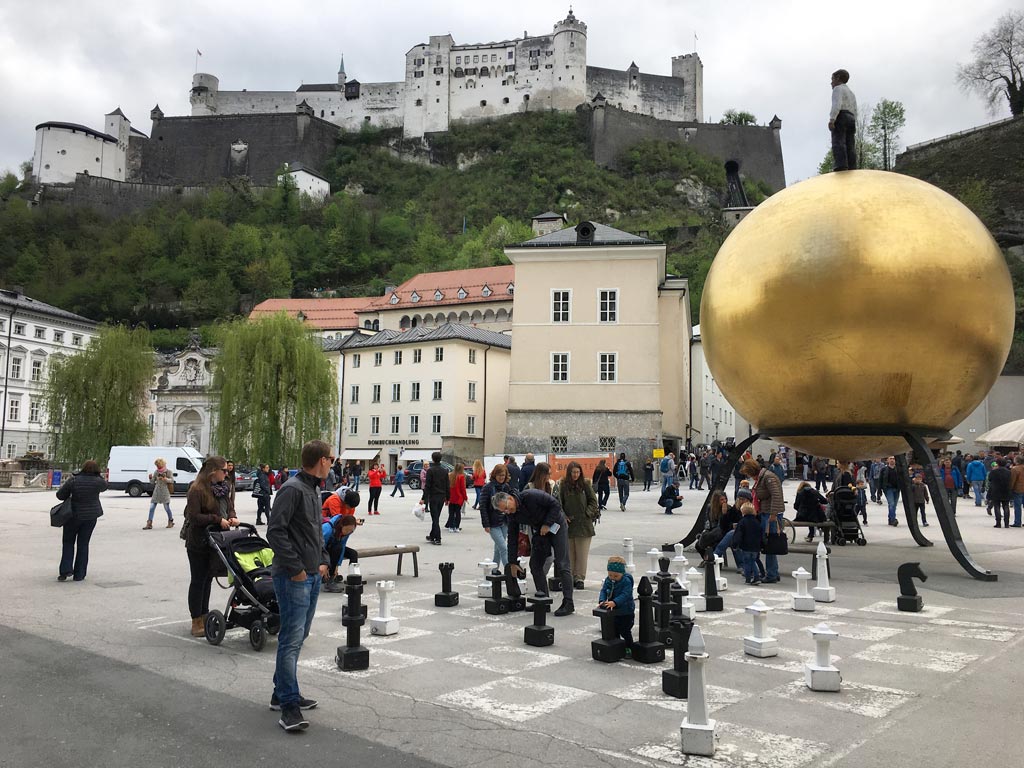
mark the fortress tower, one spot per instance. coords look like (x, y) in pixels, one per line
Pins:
(690, 70)
(569, 76)
(204, 94)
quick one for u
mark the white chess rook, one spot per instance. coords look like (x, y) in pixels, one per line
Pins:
(627, 548)
(697, 732)
(802, 601)
(821, 675)
(385, 623)
(483, 589)
(723, 583)
(693, 580)
(760, 644)
(823, 593)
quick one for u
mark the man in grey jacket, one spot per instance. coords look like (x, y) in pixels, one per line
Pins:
(300, 562)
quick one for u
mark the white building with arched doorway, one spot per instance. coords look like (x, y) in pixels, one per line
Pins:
(181, 399)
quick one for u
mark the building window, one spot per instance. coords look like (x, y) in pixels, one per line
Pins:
(608, 302)
(437, 390)
(511, 55)
(471, 425)
(419, 103)
(33, 410)
(10, 446)
(560, 305)
(462, 293)
(40, 333)
(476, 59)
(396, 393)
(472, 357)
(37, 370)
(414, 297)
(19, 329)
(356, 359)
(376, 393)
(438, 295)
(152, 422)
(483, 102)
(353, 425)
(76, 339)
(608, 362)
(435, 425)
(378, 359)
(16, 367)
(606, 444)
(458, 59)
(375, 425)
(394, 425)
(559, 443)
(486, 291)
(398, 357)
(414, 425)
(417, 355)
(418, 62)
(472, 391)
(355, 394)
(14, 410)
(415, 394)
(438, 354)
(559, 367)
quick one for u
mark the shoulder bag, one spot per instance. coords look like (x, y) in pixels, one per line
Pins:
(775, 543)
(61, 513)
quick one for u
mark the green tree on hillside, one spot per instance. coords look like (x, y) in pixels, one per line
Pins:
(887, 120)
(997, 71)
(275, 390)
(95, 399)
(737, 117)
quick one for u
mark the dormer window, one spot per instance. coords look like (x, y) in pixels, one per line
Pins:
(487, 291)
(438, 295)
(511, 289)
(414, 298)
(394, 299)
(462, 293)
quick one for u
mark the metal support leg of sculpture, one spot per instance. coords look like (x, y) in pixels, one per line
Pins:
(907, 497)
(943, 510)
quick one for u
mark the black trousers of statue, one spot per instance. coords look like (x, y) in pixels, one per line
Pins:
(844, 147)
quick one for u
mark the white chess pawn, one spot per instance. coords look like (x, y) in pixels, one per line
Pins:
(802, 601)
(694, 579)
(697, 732)
(385, 623)
(627, 548)
(760, 644)
(823, 593)
(679, 562)
(483, 589)
(821, 674)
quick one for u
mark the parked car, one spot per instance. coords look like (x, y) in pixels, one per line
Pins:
(413, 468)
(245, 479)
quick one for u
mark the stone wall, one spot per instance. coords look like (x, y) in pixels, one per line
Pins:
(198, 150)
(637, 432)
(757, 149)
(656, 95)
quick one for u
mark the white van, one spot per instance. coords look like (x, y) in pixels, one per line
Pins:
(130, 466)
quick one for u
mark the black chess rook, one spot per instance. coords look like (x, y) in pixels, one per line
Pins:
(712, 600)
(610, 648)
(352, 656)
(648, 649)
(663, 606)
(446, 598)
(539, 634)
(675, 682)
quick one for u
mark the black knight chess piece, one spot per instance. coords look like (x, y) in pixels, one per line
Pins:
(909, 600)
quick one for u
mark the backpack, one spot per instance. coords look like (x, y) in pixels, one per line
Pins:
(621, 470)
(664, 464)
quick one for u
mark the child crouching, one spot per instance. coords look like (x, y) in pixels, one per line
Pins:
(617, 596)
(747, 540)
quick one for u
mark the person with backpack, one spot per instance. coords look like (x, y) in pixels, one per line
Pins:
(668, 470)
(623, 477)
(579, 503)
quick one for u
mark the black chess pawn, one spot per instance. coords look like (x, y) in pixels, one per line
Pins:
(663, 605)
(516, 601)
(352, 656)
(712, 600)
(446, 598)
(675, 681)
(497, 603)
(610, 648)
(648, 649)
(539, 634)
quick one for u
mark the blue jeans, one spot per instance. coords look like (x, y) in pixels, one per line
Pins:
(978, 486)
(603, 492)
(623, 486)
(751, 565)
(724, 544)
(1018, 502)
(398, 489)
(297, 601)
(354, 483)
(892, 495)
(665, 480)
(771, 562)
(78, 533)
(669, 504)
(152, 509)
(499, 535)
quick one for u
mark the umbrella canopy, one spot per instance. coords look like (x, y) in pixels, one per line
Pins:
(1011, 433)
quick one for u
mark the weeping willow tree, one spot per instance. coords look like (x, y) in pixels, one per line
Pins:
(95, 399)
(275, 390)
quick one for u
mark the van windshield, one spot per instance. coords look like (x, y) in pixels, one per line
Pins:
(184, 464)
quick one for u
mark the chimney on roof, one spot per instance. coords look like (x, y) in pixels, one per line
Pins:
(585, 233)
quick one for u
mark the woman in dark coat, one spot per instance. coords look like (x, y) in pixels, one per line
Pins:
(601, 481)
(208, 503)
(84, 490)
(808, 505)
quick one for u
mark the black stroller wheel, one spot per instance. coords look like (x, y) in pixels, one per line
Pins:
(258, 635)
(841, 540)
(861, 541)
(215, 627)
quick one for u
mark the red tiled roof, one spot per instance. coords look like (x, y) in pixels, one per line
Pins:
(426, 284)
(325, 314)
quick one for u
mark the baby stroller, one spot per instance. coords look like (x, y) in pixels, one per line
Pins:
(843, 512)
(251, 603)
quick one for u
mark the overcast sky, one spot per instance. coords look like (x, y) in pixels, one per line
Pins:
(75, 60)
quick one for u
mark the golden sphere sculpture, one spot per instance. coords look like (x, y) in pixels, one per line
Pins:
(858, 299)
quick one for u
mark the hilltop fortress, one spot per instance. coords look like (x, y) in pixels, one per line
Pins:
(446, 83)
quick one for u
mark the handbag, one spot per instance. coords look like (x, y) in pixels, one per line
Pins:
(186, 528)
(775, 543)
(61, 513)
(524, 544)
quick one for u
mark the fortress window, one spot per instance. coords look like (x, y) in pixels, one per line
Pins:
(438, 70)
(535, 54)
(97, 159)
(321, 113)
(366, 119)
(526, 97)
(476, 59)
(418, 62)
(458, 72)
(419, 102)
(510, 54)
(418, 73)
(483, 103)
(332, 113)
(510, 67)
(505, 100)
(458, 59)
(494, 57)
(437, 82)
(535, 66)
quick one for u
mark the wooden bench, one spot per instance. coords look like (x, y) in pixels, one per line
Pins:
(794, 524)
(398, 549)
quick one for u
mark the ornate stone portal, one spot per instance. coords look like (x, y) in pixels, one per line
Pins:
(181, 397)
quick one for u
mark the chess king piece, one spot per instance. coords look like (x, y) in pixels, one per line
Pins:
(802, 601)
(352, 656)
(760, 644)
(385, 623)
(821, 675)
(446, 598)
(675, 681)
(697, 732)
(610, 648)
(909, 600)
(539, 634)
(823, 593)
(648, 650)
(712, 600)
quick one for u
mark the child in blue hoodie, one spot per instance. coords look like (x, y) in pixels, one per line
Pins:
(617, 596)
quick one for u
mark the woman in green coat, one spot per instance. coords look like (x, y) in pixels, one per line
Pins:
(579, 502)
